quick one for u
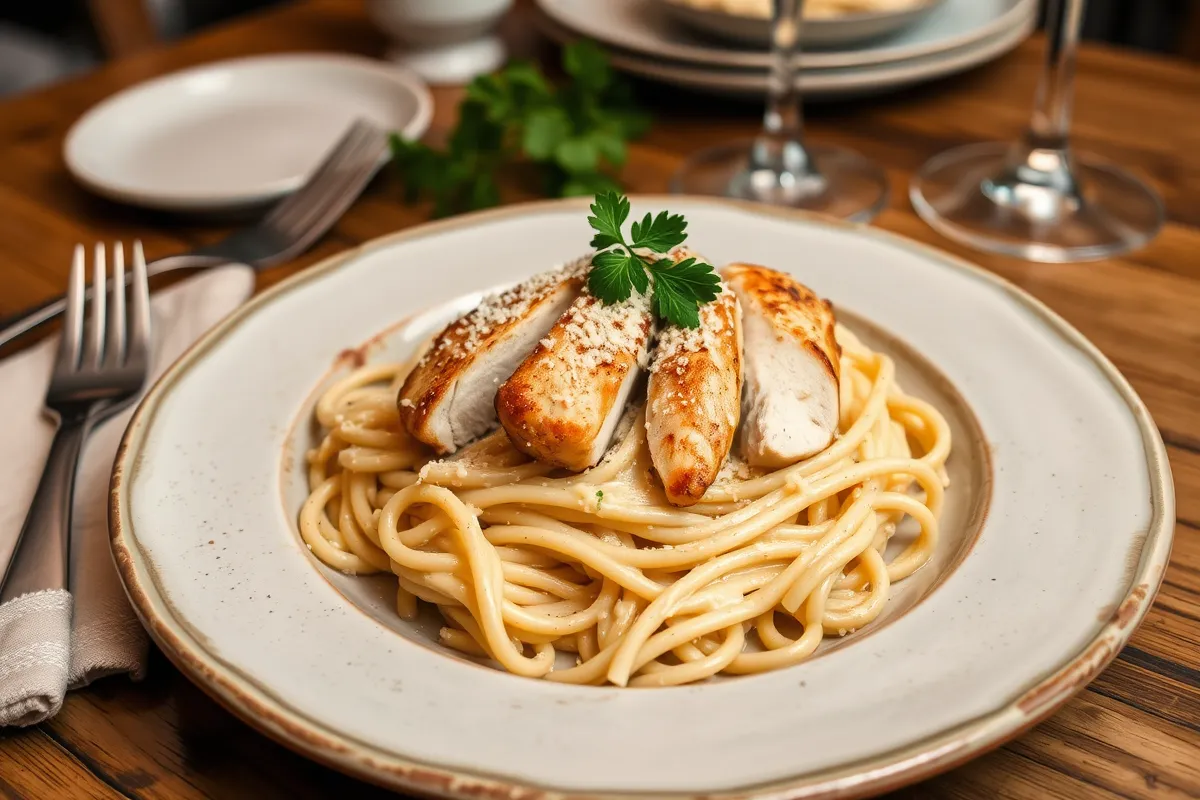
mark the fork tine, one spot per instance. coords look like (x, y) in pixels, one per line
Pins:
(114, 347)
(299, 226)
(72, 332)
(139, 327)
(335, 204)
(93, 341)
(326, 181)
(362, 161)
(308, 191)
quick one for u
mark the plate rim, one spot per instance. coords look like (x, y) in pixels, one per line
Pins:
(915, 761)
(852, 15)
(809, 60)
(173, 201)
(823, 28)
(816, 84)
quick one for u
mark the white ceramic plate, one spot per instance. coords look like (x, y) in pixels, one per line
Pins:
(236, 133)
(822, 84)
(826, 32)
(643, 28)
(1056, 536)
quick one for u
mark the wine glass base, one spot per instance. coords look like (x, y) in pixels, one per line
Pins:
(972, 195)
(845, 185)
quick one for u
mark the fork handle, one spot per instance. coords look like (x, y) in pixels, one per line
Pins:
(41, 557)
(27, 321)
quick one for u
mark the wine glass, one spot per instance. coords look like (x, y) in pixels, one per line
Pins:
(1036, 198)
(777, 166)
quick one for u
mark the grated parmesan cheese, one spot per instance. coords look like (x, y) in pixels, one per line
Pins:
(676, 344)
(498, 310)
(734, 469)
(598, 333)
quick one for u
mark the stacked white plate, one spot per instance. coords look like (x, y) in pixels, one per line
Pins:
(848, 55)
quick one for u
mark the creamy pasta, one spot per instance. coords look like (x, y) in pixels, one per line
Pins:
(525, 563)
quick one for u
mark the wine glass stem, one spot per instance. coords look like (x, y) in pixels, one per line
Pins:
(1039, 179)
(780, 146)
(1052, 107)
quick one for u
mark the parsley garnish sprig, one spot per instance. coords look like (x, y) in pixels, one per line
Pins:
(570, 136)
(679, 288)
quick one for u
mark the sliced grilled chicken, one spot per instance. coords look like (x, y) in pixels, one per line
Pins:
(563, 403)
(449, 398)
(692, 401)
(790, 403)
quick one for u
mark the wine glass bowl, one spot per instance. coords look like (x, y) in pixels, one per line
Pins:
(1081, 209)
(1038, 198)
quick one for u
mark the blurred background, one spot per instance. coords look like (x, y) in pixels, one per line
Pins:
(49, 40)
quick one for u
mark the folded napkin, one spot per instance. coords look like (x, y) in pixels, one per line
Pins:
(58, 640)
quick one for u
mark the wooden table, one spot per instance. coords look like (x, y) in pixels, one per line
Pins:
(1135, 732)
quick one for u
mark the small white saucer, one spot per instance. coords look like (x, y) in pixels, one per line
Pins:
(236, 133)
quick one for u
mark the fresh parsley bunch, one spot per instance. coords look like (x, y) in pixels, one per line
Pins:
(679, 288)
(575, 135)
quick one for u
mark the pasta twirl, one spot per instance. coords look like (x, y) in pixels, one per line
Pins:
(525, 563)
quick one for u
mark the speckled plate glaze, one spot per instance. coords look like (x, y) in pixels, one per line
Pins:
(1054, 544)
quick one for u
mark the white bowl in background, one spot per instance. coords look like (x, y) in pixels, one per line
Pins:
(444, 41)
(424, 23)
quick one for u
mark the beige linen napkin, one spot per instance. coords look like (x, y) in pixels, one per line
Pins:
(57, 640)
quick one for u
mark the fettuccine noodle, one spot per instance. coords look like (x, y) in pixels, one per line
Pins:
(524, 564)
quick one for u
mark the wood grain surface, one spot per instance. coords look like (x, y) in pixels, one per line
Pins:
(1133, 733)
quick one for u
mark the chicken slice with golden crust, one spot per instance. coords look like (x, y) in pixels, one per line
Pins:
(449, 398)
(563, 403)
(693, 399)
(792, 367)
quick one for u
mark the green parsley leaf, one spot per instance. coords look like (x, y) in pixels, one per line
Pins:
(602, 240)
(614, 276)
(678, 289)
(610, 210)
(490, 94)
(545, 130)
(526, 82)
(419, 163)
(587, 63)
(573, 134)
(611, 145)
(599, 498)
(476, 132)
(690, 277)
(577, 154)
(516, 91)
(671, 304)
(660, 234)
(484, 192)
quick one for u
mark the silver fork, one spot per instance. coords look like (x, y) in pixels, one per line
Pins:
(101, 366)
(285, 232)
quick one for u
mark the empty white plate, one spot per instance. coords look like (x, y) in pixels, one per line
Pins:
(236, 133)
